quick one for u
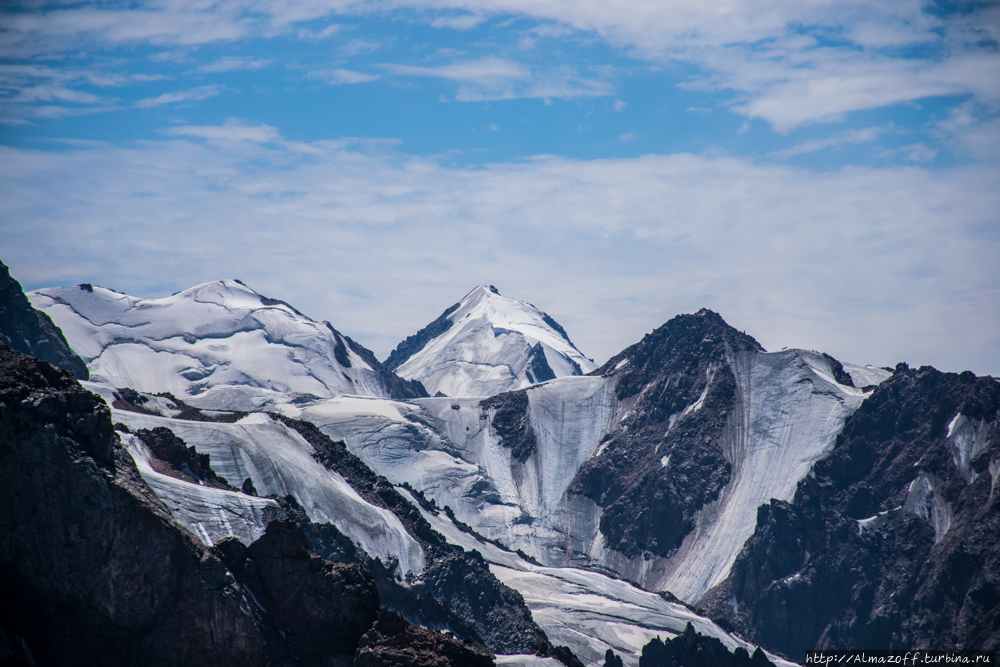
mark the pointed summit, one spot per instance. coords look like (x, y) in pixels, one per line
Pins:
(486, 344)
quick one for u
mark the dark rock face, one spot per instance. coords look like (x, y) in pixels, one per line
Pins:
(693, 649)
(395, 642)
(512, 423)
(395, 385)
(457, 586)
(539, 369)
(32, 332)
(94, 571)
(925, 573)
(419, 340)
(665, 461)
(321, 608)
(178, 460)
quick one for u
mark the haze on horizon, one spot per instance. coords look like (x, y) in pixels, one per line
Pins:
(823, 175)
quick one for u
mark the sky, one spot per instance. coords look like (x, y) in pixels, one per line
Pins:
(825, 174)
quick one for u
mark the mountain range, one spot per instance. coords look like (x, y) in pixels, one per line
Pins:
(217, 477)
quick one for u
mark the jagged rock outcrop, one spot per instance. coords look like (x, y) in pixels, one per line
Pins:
(693, 649)
(893, 540)
(395, 642)
(94, 571)
(173, 457)
(664, 461)
(32, 332)
(457, 582)
(321, 608)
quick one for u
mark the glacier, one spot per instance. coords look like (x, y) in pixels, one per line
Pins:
(489, 344)
(221, 338)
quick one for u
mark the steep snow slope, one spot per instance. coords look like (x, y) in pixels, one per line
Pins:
(278, 461)
(449, 449)
(793, 411)
(787, 413)
(219, 336)
(486, 344)
(588, 611)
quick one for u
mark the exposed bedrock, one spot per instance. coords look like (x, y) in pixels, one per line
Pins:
(693, 649)
(893, 541)
(394, 642)
(31, 331)
(459, 583)
(93, 569)
(321, 608)
(665, 459)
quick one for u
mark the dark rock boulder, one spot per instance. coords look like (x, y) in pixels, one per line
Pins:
(172, 456)
(32, 332)
(419, 340)
(321, 608)
(893, 540)
(512, 423)
(693, 649)
(395, 642)
(93, 569)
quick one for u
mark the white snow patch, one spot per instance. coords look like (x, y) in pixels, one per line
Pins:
(488, 349)
(793, 410)
(864, 376)
(217, 335)
(278, 461)
(588, 611)
(966, 438)
(994, 473)
(922, 500)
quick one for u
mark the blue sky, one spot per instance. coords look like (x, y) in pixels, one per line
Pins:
(824, 174)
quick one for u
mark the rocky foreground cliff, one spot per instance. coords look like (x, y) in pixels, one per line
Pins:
(96, 572)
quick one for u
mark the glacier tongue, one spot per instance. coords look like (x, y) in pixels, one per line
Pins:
(219, 336)
(279, 462)
(487, 344)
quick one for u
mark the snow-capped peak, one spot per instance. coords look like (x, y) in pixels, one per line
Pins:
(218, 336)
(485, 344)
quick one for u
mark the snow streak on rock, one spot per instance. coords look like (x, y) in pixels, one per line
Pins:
(487, 344)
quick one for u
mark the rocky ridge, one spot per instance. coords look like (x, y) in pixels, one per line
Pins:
(96, 572)
(32, 332)
(893, 540)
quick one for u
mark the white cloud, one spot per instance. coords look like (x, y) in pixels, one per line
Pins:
(231, 63)
(500, 79)
(233, 129)
(619, 105)
(789, 63)
(912, 152)
(192, 95)
(847, 137)
(851, 262)
(329, 30)
(462, 22)
(628, 136)
(341, 76)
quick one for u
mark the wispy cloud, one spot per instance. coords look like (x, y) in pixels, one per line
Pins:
(913, 152)
(501, 79)
(231, 63)
(233, 129)
(306, 33)
(342, 76)
(787, 62)
(847, 137)
(191, 95)
(796, 257)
